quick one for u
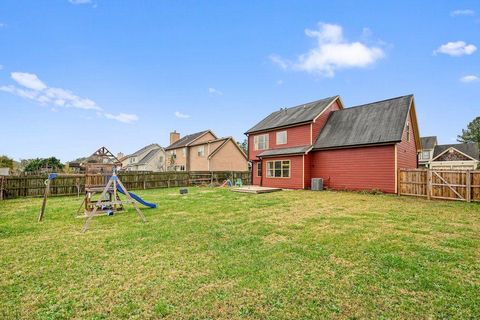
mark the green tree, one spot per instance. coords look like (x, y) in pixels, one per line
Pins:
(6, 162)
(472, 133)
(244, 146)
(49, 164)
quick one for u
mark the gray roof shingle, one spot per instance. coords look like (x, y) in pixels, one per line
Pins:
(302, 113)
(149, 156)
(186, 140)
(138, 152)
(372, 123)
(284, 151)
(428, 142)
(470, 149)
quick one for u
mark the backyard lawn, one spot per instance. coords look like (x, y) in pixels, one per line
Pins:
(218, 254)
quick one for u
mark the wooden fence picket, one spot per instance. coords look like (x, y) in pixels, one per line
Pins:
(74, 184)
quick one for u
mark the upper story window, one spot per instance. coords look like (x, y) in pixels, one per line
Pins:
(201, 151)
(133, 160)
(282, 137)
(260, 142)
(408, 131)
(173, 154)
(425, 155)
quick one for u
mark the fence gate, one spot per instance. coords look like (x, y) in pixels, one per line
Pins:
(440, 184)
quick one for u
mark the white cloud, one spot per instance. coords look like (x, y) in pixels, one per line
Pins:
(214, 91)
(122, 117)
(32, 88)
(331, 53)
(462, 12)
(456, 49)
(80, 1)
(279, 82)
(469, 78)
(180, 115)
(279, 61)
(28, 80)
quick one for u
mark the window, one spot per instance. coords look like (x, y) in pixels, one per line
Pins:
(278, 169)
(201, 151)
(260, 142)
(180, 168)
(408, 132)
(259, 169)
(425, 155)
(282, 137)
(173, 154)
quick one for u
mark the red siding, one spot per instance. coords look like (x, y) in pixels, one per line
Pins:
(322, 119)
(296, 136)
(406, 150)
(364, 168)
(307, 169)
(296, 174)
(256, 179)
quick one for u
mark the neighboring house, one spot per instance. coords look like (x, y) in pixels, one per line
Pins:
(203, 151)
(358, 148)
(462, 156)
(149, 158)
(426, 154)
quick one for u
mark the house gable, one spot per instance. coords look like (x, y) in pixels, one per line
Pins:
(285, 117)
(453, 154)
(228, 157)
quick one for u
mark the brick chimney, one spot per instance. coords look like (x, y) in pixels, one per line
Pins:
(174, 137)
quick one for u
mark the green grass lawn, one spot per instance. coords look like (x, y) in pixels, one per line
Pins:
(219, 254)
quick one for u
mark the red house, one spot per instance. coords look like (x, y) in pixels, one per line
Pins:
(357, 148)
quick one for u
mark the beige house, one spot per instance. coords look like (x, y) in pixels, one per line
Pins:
(460, 156)
(149, 158)
(204, 151)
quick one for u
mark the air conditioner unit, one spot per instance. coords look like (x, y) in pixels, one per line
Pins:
(317, 184)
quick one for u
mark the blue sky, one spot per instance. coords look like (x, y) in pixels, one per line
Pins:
(79, 74)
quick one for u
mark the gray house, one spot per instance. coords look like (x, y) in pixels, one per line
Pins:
(426, 154)
(148, 158)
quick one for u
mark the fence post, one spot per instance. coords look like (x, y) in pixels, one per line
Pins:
(144, 185)
(429, 184)
(399, 174)
(1, 187)
(468, 174)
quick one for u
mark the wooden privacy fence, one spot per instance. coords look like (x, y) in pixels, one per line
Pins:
(74, 184)
(440, 184)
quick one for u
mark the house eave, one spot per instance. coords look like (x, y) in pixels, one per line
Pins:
(357, 146)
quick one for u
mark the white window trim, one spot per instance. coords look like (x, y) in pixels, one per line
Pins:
(201, 151)
(256, 144)
(259, 163)
(408, 131)
(286, 137)
(281, 169)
